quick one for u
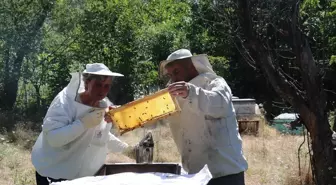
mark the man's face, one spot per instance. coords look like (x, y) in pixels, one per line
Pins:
(181, 70)
(177, 72)
(98, 89)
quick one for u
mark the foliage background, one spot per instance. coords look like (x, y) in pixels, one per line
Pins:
(42, 41)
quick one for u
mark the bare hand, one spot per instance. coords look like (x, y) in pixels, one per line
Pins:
(180, 89)
(107, 117)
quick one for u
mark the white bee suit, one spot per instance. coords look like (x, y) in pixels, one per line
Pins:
(65, 148)
(206, 131)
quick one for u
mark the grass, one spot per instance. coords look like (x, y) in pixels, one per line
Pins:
(272, 157)
(15, 165)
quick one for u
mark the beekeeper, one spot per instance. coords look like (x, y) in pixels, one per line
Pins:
(75, 137)
(206, 130)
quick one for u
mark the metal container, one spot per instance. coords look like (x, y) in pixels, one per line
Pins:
(109, 169)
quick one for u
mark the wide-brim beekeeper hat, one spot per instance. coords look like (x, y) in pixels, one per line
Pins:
(76, 84)
(99, 69)
(201, 61)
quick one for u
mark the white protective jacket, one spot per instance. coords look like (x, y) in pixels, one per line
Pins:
(64, 148)
(206, 131)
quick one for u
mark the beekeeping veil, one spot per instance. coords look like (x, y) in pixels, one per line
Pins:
(77, 84)
(201, 62)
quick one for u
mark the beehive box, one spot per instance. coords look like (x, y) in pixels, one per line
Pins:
(143, 111)
(109, 169)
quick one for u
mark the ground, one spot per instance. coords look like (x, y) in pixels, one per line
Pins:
(272, 157)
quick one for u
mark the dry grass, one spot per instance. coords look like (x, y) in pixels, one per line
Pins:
(272, 157)
(15, 166)
(22, 135)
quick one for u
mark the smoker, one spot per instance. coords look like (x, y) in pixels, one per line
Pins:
(144, 150)
(144, 161)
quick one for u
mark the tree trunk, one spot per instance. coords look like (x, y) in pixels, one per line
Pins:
(11, 82)
(309, 100)
(6, 73)
(334, 125)
(38, 96)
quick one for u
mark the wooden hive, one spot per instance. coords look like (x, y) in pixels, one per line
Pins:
(143, 111)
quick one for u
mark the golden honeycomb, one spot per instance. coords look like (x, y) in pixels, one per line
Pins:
(144, 111)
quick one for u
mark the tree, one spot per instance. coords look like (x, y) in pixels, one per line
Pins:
(22, 24)
(19, 34)
(213, 32)
(277, 45)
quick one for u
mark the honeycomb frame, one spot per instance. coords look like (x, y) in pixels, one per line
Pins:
(122, 116)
